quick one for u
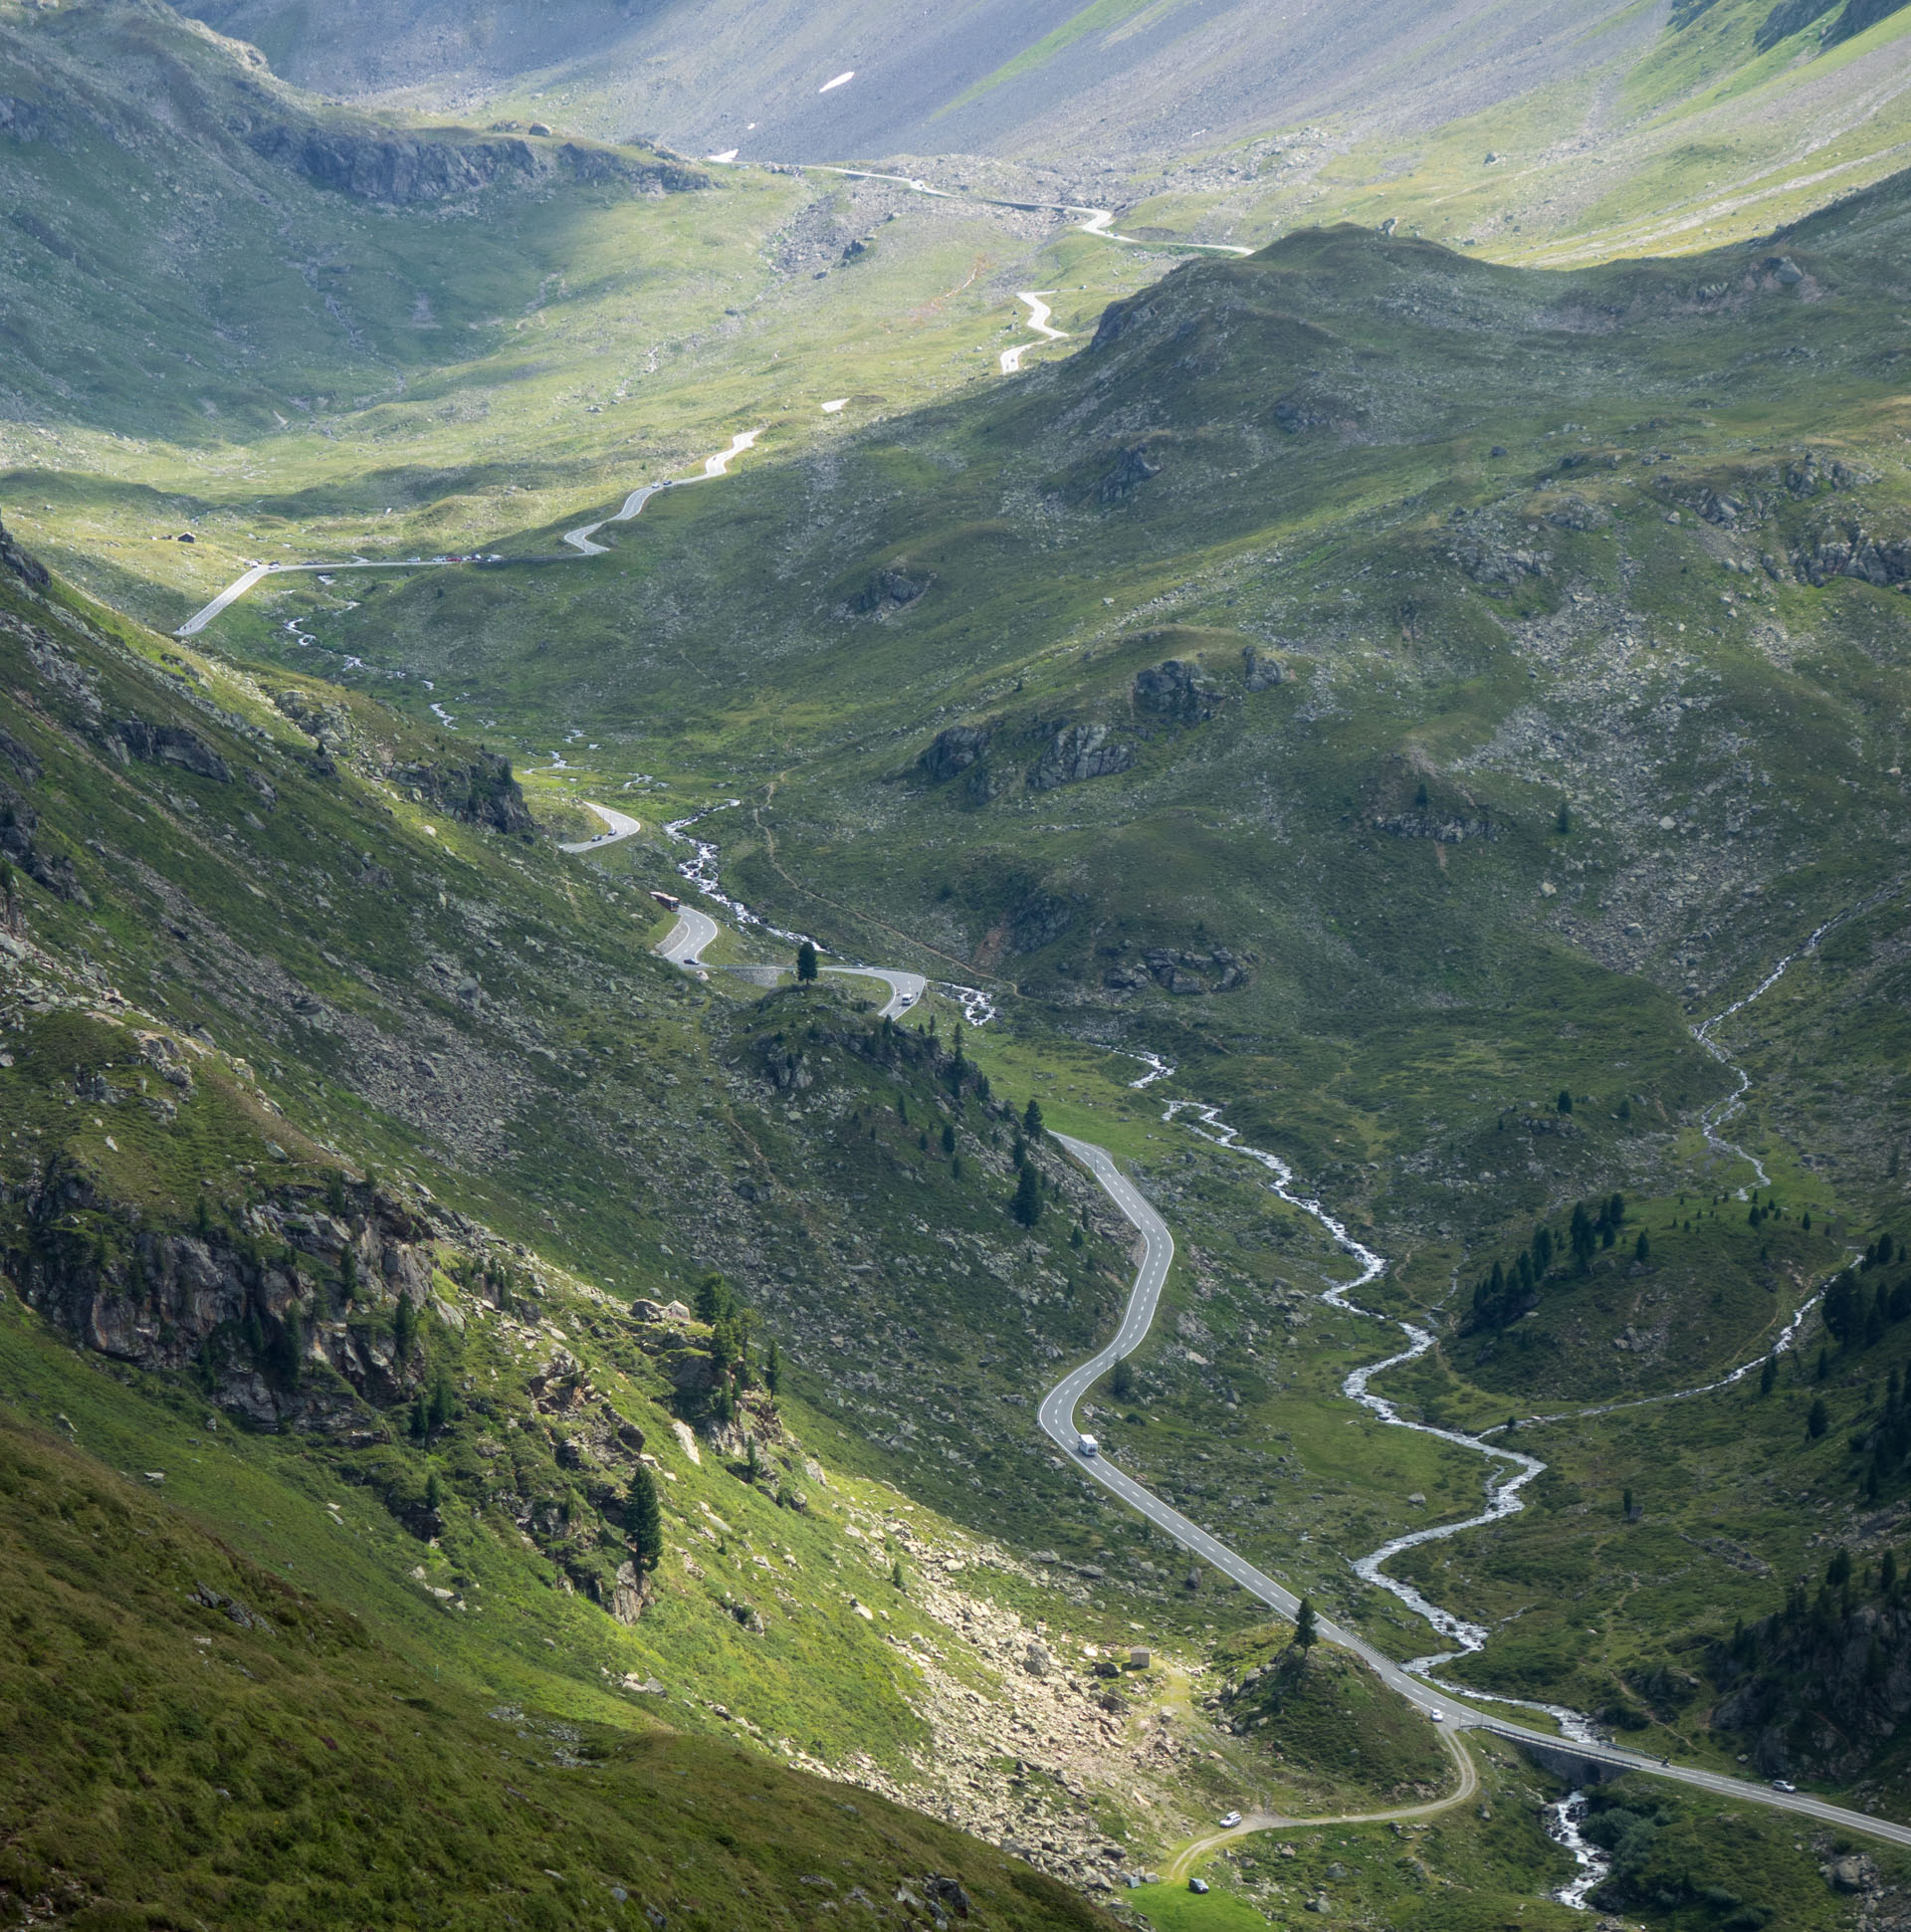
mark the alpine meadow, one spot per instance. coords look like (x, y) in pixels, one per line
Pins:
(955, 967)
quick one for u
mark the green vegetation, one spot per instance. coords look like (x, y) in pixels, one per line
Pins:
(192, 1736)
(1408, 692)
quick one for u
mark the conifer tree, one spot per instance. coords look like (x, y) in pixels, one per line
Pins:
(1028, 1206)
(806, 962)
(643, 1519)
(1306, 1628)
(1032, 1120)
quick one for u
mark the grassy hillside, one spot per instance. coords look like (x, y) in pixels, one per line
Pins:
(1539, 634)
(192, 1736)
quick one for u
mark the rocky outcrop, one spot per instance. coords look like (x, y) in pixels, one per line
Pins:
(1812, 475)
(52, 871)
(1077, 753)
(954, 750)
(888, 590)
(29, 120)
(1821, 1687)
(256, 1307)
(1134, 466)
(1179, 692)
(1493, 562)
(1853, 551)
(1183, 973)
(1787, 18)
(129, 739)
(1259, 672)
(29, 569)
(479, 790)
(402, 169)
(1440, 826)
(1858, 15)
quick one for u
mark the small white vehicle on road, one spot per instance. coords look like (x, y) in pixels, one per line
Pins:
(1087, 1445)
(1230, 1820)
(1782, 1784)
(1438, 1717)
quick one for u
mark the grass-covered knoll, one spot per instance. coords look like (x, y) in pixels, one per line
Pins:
(1332, 1736)
(192, 1737)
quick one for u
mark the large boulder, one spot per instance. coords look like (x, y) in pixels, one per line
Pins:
(954, 750)
(1077, 753)
(1177, 691)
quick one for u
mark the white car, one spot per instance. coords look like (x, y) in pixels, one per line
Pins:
(1087, 1445)
(1782, 1784)
(1230, 1820)
(1438, 1717)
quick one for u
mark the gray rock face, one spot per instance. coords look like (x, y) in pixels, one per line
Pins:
(1853, 551)
(954, 752)
(1133, 467)
(1443, 828)
(1177, 691)
(211, 1300)
(133, 738)
(891, 589)
(1259, 672)
(1788, 17)
(1077, 753)
(479, 790)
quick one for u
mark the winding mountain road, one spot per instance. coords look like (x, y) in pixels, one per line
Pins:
(1442, 1706)
(1038, 315)
(1057, 1416)
(684, 944)
(579, 541)
(618, 825)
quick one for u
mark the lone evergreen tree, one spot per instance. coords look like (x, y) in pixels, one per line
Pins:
(1028, 1208)
(772, 1369)
(1306, 1633)
(643, 1520)
(1818, 1418)
(1642, 1247)
(1563, 1104)
(806, 962)
(712, 1298)
(404, 1328)
(1121, 1385)
(1769, 1375)
(948, 1138)
(1032, 1119)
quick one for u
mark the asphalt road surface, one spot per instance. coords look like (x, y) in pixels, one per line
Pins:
(905, 988)
(617, 825)
(578, 540)
(1057, 1416)
(684, 944)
